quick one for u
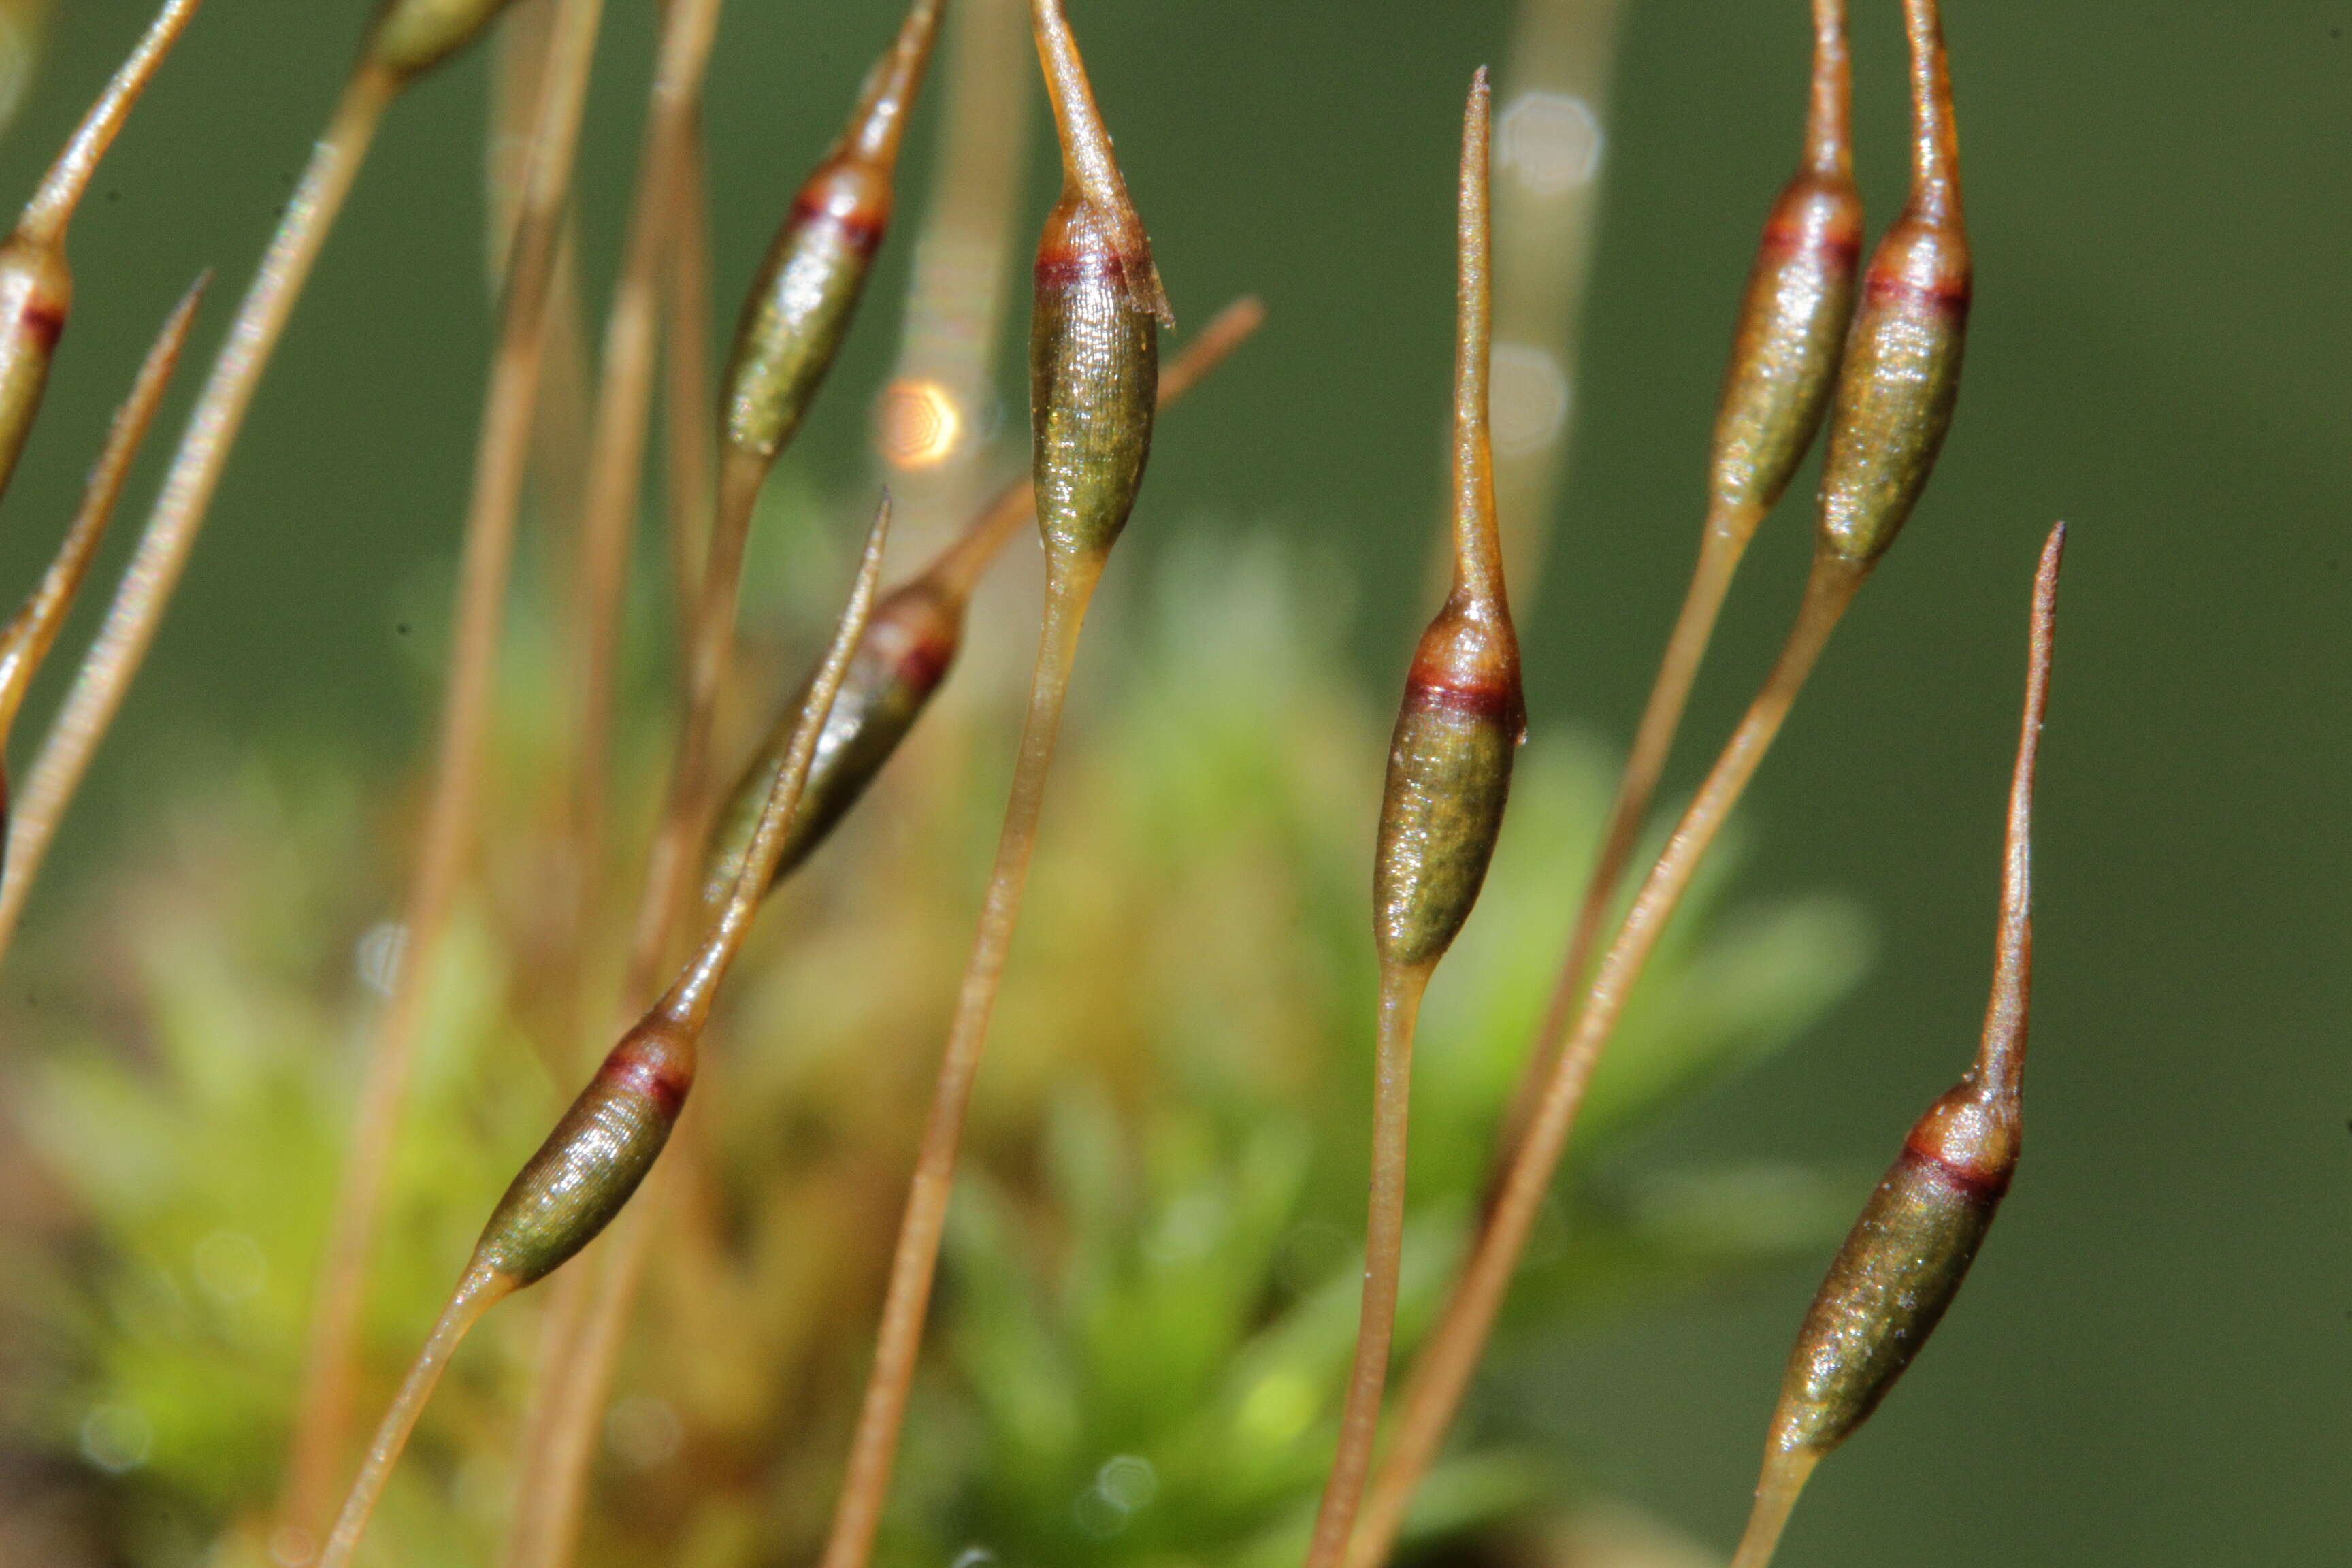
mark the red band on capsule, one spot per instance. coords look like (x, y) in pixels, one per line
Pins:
(652, 1070)
(849, 198)
(43, 323)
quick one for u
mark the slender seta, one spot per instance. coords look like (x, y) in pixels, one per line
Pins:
(1792, 324)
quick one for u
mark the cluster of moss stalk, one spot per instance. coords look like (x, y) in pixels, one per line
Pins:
(1871, 352)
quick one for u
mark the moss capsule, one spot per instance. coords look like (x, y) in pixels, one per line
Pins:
(808, 288)
(1094, 357)
(1900, 373)
(908, 645)
(593, 1161)
(1800, 300)
(409, 37)
(1905, 1261)
(1449, 772)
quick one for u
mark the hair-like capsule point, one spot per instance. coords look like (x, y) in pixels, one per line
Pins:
(910, 642)
(1800, 300)
(800, 301)
(1902, 369)
(1094, 347)
(409, 37)
(1463, 715)
(1906, 1257)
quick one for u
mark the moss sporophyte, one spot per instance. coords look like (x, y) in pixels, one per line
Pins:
(1449, 775)
(1147, 1354)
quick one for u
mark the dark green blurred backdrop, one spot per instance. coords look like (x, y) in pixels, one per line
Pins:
(2153, 1363)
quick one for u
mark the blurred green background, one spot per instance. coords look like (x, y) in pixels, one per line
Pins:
(2153, 1361)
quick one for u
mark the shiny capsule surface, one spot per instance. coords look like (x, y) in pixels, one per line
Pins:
(1449, 778)
(1896, 393)
(411, 36)
(806, 291)
(801, 305)
(592, 1164)
(1899, 1269)
(1792, 324)
(900, 661)
(1094, 372)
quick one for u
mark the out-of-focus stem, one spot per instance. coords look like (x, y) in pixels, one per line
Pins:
(1784, 355)
(624, 402)
(25, 644)
(1552, 122)
(481, 1290)
(331, 1368)
(692, 425)
(873, 1448)
(171, 527)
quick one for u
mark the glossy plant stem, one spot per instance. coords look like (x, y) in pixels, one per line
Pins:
(27, 639)
(169, 534)
(445, 848)
(1094, 381)
(609, 1138)
(1443, 1374)
(1792, 324)
(795, 318)
(1907, 1255)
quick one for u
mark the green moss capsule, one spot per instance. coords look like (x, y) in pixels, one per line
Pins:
(1902, 370)
(905, 655)
(1449, 772)
(595, 1158)
(807, 290)
(409, 37)
(1094, 354)
(1800, 300)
